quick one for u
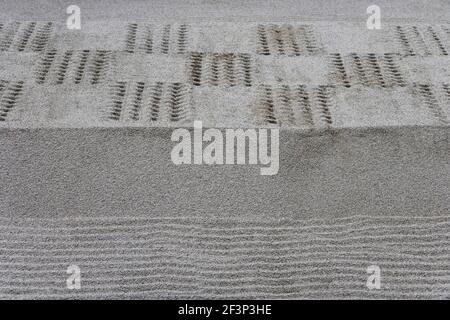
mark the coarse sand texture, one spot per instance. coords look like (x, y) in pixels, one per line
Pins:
(86, 176)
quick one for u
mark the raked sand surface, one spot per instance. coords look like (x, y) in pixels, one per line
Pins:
(86, 177)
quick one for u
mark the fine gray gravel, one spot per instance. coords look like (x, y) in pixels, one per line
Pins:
(86, 178)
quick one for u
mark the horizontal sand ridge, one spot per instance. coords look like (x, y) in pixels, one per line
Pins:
(146, 257)
(110, 201)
